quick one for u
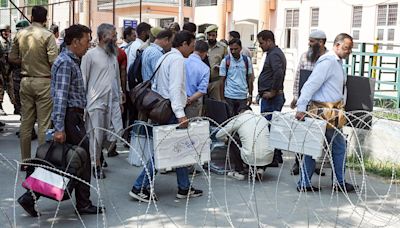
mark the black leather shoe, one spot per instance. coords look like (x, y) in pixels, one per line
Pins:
(112, 153)
(98, 173)
(318, 171)
(28, 205)
(23, 168)
(90, 210)
(346, 187)
(295, 169)
(307, 189)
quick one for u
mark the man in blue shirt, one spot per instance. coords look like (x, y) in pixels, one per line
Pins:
(152, 54)
(327, 84)
(237, 83)
(197, 76)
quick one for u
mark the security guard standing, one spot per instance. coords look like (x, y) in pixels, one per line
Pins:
(216, 53)
(35, 49)
(5, 69)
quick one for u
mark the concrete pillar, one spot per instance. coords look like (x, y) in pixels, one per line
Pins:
(221, 19)
(84, 16)
(180, 14)
(263, 20)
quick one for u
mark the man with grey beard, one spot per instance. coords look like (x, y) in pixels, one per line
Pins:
(100, 71)
(316, 48)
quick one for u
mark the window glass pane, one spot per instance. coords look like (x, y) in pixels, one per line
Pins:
(206, 2)
(392, 15)
(3, 3)
(295, 18)
(380, 34)
(289, 18)
(188, 2)
(357, 16)
(294, 38)
(314, 17)
(356, 34)
(390, 35)
(287, 37)
(382, 9)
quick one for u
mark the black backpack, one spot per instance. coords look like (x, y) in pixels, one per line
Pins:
(135, 71)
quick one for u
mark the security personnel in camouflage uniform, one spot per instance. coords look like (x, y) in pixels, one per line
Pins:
(216, 54)
(16, 73)
(5, 69)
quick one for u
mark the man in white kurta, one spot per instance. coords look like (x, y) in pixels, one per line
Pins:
(253, 133)
(100, 72)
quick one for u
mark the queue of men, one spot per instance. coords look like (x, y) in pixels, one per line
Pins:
(76, 91)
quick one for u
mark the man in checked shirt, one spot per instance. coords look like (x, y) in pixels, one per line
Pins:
(69, 100)
(316, 48)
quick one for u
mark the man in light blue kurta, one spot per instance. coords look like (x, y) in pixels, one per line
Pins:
(327, 84)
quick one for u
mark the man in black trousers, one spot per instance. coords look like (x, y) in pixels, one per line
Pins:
(270, 81)
(69, 100)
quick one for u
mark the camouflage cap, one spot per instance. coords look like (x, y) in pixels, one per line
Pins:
(155, 30)
(22, 24)
(4, 27)
(200, 36)
(211, 28)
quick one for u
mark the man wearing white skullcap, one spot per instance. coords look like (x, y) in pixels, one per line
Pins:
(316, 48)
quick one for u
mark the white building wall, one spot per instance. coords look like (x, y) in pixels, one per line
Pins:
(206, 14)
(61, 15)
(246, 9)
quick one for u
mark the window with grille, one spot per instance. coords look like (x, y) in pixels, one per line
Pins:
(187, 2)
(357, 16)
(392, 15)
(291, 28)
(206, 2)
(37, 2)
(387, 15)
(165, 22)
(314, 17)
(386, 25)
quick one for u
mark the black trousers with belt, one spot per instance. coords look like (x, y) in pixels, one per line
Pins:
(75, 131)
